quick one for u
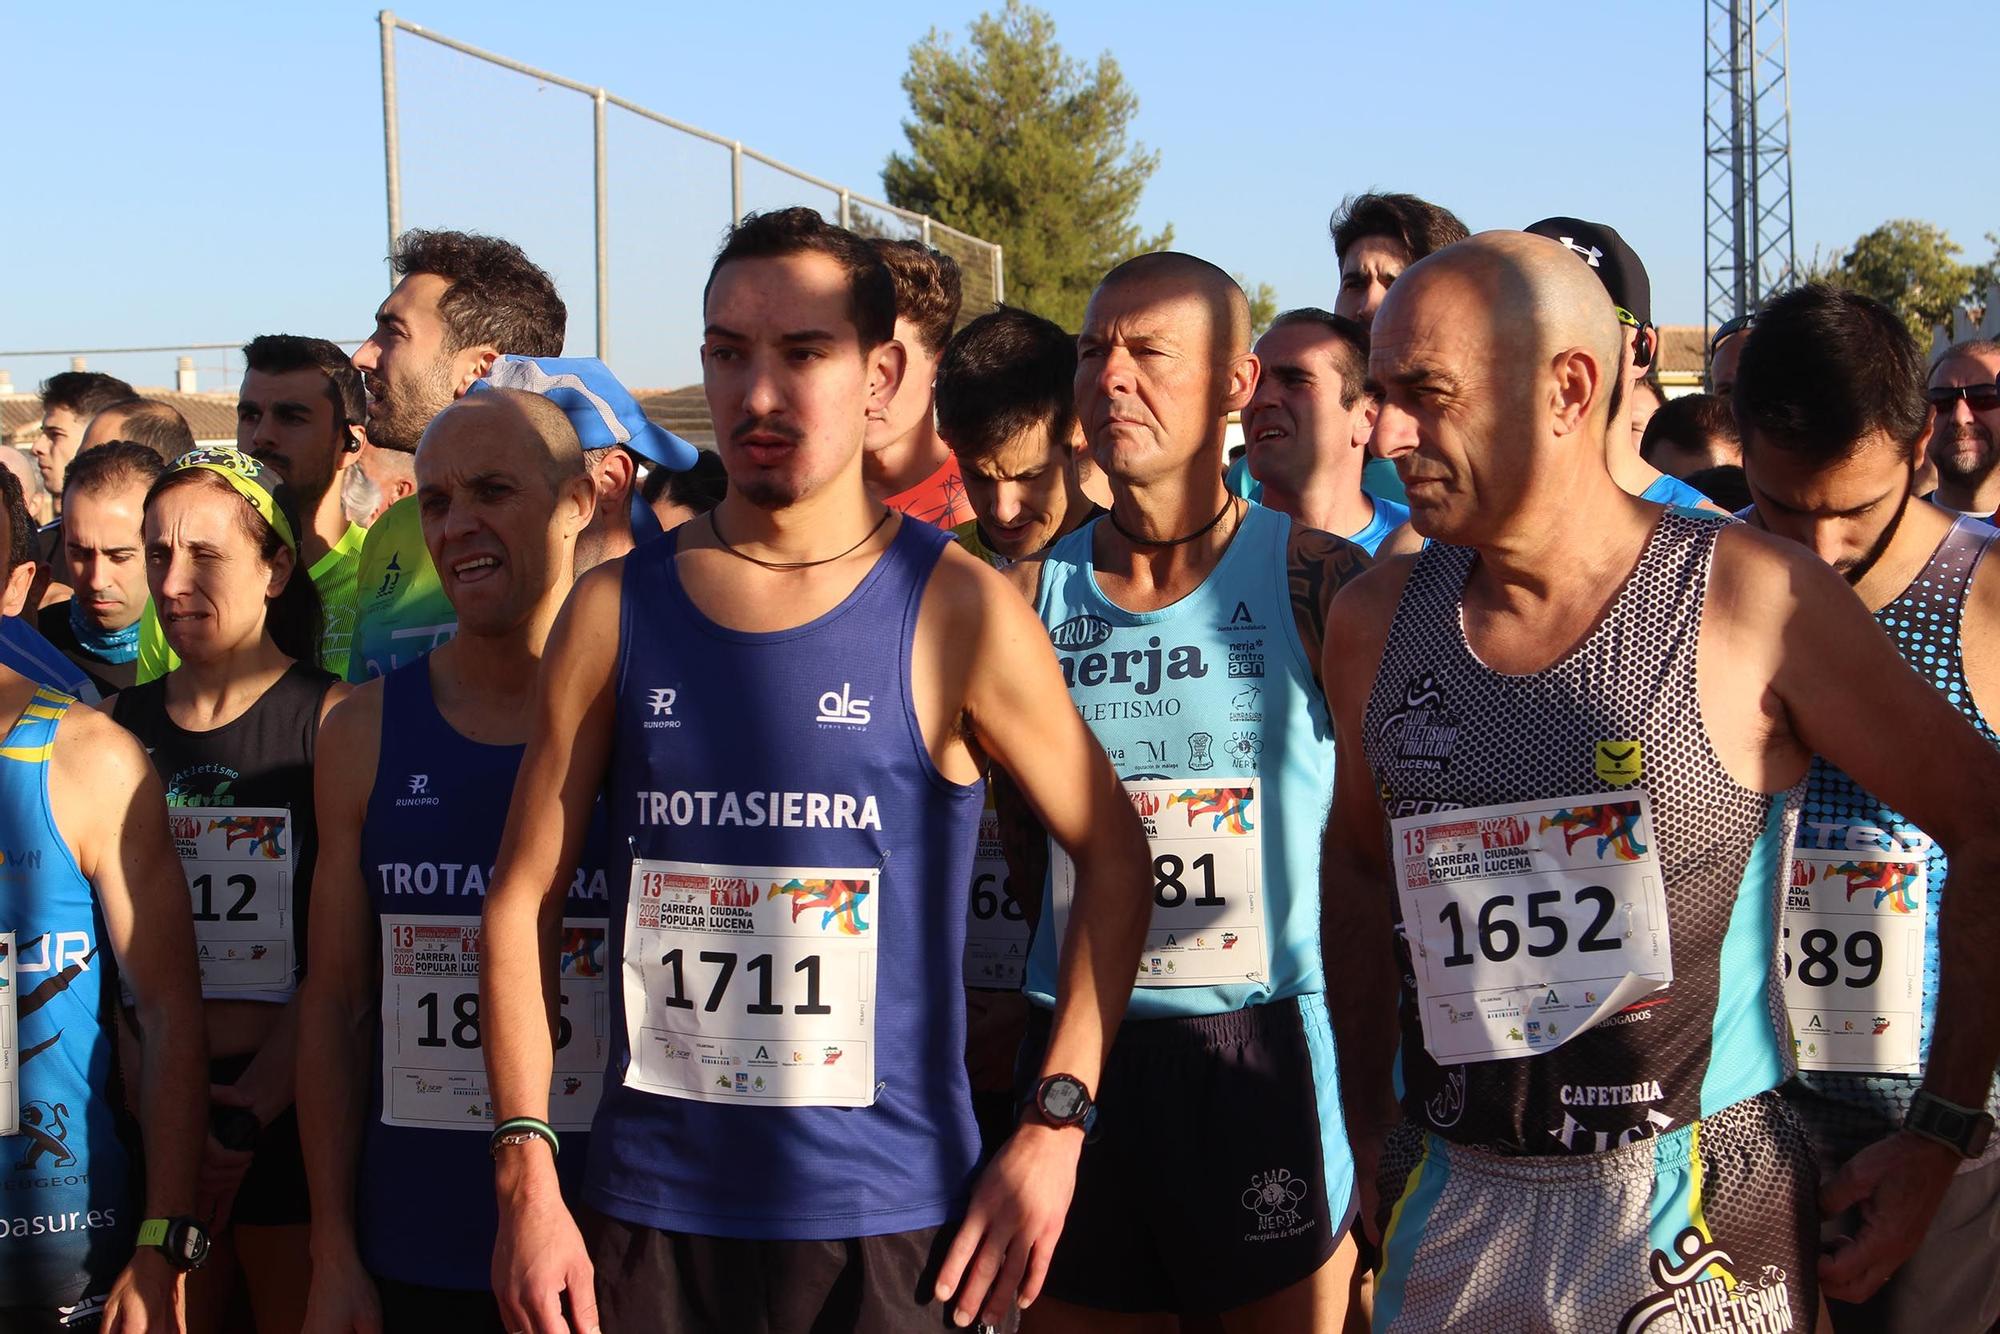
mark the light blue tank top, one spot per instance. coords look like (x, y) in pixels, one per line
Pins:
(70, 1213)
(1666, 490)
(1205, 694)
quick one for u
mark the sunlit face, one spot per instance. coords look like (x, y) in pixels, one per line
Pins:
(789, 385)
(1294, 421)
(1845, 512)
(208, 576)
(1458, 421)
(498, 530)
(1366, 270)
(1962, 441)
(910, 407)
(409, 376)
(56, 445)
(1152, 376)
(1022, 491)
(104, 543)
(288, 421)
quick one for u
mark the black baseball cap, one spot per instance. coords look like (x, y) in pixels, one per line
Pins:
(1616, 264)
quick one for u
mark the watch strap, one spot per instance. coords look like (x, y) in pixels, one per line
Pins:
(1964, 1130)
(153, 1232)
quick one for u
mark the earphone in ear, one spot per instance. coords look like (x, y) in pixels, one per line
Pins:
(1643, 347)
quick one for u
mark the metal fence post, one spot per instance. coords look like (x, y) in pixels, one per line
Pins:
(736, 182)
(999, 275)
(927, 229)
(391, 155)
(603, 231)
(846, 209)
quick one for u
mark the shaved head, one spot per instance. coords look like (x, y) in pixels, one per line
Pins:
(514, 419)
(1170, 273)
(1497, 363)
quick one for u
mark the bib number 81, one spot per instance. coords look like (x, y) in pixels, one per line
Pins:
(1499, 938)
(463, 1030)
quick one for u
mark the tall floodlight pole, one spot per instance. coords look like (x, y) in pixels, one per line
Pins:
(1747, 245)
(391, 157)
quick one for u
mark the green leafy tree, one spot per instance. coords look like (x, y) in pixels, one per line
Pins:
(1913, 268)
(1013, 141)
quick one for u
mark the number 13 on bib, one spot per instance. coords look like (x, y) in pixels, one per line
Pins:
(1530, 923)
(752, 983)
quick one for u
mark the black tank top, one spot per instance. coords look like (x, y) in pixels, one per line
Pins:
(262, 760)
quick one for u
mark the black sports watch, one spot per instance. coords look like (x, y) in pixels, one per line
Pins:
(1964, 1130)
(1062, 1100)
(184, 1241)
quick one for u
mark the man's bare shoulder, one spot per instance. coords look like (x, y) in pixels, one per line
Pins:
(1759, 579)
(969, 592)
(89, 747)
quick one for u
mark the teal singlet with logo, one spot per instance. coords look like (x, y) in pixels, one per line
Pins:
(1215, 722)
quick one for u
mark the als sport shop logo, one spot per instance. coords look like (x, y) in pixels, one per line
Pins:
(1423, 730)
(839, 708)
(1273, 1199)
(661, 700)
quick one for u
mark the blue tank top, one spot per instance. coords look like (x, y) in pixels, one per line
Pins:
(1666, 490)
(1839, 815)
(1387, 518)
(424, 1203)
(70, 1212)
(1211, 715)
(798, 749)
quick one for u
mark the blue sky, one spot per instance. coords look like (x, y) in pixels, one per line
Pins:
(211, 171)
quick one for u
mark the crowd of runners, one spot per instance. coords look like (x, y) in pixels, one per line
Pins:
(969, 852)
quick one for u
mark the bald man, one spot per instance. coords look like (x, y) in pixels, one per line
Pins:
(413, 776)
(1583, 718)
(1188, 623)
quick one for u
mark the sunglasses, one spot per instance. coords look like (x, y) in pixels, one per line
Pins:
(1729, 328)
(1978, 397)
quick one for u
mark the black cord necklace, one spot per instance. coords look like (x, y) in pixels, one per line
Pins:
(1137, 540)
(723, 542)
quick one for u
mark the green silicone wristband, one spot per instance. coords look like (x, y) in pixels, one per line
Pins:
(531, 1125)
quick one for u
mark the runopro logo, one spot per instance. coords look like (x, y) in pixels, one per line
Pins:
(839, 707)
(662, 699)
(419, 784)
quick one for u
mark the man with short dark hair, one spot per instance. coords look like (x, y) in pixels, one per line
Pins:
(1690, 434)
(1831, 398)
(69, 400)
(22, 646)
(1376, 237)
(907, 462)
(786, 706)
(93, 901)
(1006, 408)
(1964, 389)
(158, 426)
(1647, 399)
(460, 302)
(1308, 426)
(1725, 348)
(1617, 266)
(104, 501)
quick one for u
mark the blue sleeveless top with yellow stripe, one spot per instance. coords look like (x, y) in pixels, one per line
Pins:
(68, 1221)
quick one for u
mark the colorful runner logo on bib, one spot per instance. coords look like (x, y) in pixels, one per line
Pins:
(1891, 883)
(838, 900)
(1615, 827)
(1230, 807)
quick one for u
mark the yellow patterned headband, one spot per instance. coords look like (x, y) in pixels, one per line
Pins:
(250, 478)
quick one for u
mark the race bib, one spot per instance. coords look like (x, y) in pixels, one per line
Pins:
(10, 1018)
(1530, 923)
(752, 983)
(433, 1066)
(238, 861)
(1208, 892)
(1854, 959)
(996, 931)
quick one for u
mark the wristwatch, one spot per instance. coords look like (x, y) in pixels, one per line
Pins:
(1964, 1130)
(1062, 1100)
(182, 1240)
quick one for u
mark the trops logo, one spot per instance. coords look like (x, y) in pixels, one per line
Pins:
(1080, 632)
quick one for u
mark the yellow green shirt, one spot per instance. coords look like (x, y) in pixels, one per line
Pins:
(401, 610)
